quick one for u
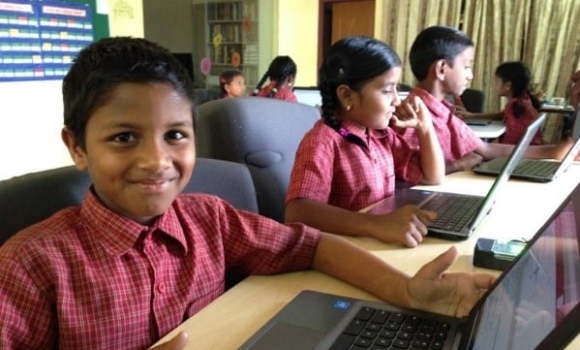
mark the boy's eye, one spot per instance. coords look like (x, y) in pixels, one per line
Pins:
(175, 135)
(124, 137)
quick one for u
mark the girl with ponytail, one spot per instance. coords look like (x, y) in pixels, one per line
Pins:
(281, 75)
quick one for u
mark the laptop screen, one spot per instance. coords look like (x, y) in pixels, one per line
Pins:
(538, 292)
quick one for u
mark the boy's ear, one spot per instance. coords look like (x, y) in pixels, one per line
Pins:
(440, 67)
(77, 154)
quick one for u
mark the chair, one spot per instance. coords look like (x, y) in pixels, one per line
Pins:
(30, 198)
(473, 100)
(264, 134)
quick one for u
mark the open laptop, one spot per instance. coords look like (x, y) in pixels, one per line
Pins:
(533, 305)
(535, 169)
(458, 215)
(308, 95)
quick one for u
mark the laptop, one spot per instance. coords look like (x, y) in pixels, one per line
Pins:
(308, 95)
(535, 169)
(477, 121)
(533, 305)
(458, 215)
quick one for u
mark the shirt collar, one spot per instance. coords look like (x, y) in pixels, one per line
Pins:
(438, 108)
(117, 233)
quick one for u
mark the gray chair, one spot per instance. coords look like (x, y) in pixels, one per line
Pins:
(264, 134)
(473, 100)
(30, 198)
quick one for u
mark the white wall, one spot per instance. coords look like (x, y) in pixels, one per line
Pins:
(31, 118)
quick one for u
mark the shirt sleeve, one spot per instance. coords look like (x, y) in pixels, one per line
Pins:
(465, 140)
(406, 158)
(312, 172)
(258, 245)
(28, 319)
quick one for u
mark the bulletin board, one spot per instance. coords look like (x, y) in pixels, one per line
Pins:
(39, 39)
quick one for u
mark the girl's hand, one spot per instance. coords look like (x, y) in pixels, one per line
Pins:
(411, 113)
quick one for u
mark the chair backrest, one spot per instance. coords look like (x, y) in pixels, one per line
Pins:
(30, 198)
(473, 100)
(263, 133)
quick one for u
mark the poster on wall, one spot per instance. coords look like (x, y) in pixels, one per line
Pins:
(39, 39)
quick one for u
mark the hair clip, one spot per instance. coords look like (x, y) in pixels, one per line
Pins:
(340, 71)
(275, 90)
(223, 81)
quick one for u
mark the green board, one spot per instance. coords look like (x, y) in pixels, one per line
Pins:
(100, 22)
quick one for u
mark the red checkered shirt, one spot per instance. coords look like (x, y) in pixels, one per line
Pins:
(88, 278)
(330, 169)
(516, 126)
(455, 137)
(284, 92)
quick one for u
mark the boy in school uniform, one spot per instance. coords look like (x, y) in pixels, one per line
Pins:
(137, 258)
(441, 59)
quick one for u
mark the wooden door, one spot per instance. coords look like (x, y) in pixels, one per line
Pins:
(352, 18)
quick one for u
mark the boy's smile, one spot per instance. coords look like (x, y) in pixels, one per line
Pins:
(139, 149)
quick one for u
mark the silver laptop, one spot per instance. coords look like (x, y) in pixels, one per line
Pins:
(534, 305)
(534, 169)
(308, 96)
(458, 215)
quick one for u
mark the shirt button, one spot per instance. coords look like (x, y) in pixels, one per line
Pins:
(161, 287)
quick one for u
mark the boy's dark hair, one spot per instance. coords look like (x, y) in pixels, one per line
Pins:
(436, 43)
(352, 61)
(226, 78)
(280, 69)
(518, 74)
(103, 65)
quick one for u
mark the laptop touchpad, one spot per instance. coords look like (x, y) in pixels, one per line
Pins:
(283, 336)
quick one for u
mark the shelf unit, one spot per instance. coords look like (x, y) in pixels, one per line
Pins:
(232, 39)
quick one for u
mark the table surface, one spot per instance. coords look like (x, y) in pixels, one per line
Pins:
(521, 209)
(490, 131)
(557, 108)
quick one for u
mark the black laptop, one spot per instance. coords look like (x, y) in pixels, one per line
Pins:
(534, 305)
(535, 169)
(458, 215)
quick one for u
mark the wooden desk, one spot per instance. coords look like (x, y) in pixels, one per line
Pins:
(490, 131)
(522, 208)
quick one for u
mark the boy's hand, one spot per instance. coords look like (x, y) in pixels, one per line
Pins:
(177, 343)
(462, 113)
(411, 113)
(452, 294)
(406, 225)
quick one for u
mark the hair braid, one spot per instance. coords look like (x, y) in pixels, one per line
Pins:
(260, 83)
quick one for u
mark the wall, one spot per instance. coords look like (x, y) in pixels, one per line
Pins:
(32, 112)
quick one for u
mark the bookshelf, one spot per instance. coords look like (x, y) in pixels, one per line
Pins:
(232, 39)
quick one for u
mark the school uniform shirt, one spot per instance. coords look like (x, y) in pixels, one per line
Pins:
(455, 137)
(284, 92)
(88, 278)
(516, 126)
(330, 169)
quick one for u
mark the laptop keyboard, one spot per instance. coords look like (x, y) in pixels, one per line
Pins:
(454, 211)
(537, 168)
(375, 329)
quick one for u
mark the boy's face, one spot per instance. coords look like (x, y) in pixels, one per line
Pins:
(139, 149)
(237, 88)
(458, 76)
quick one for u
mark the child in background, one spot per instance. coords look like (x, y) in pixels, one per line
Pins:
(350, 158)
(232, 84)
(441, 59)
(512, 80)
(137, 258)
(281, 73)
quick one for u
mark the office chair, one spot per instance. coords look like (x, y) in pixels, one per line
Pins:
(473, 100)
(262, 133)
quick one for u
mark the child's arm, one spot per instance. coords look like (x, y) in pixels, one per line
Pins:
(464, 114)
(430, 289)
(406, 225)
(413, 113)
(555, 151)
